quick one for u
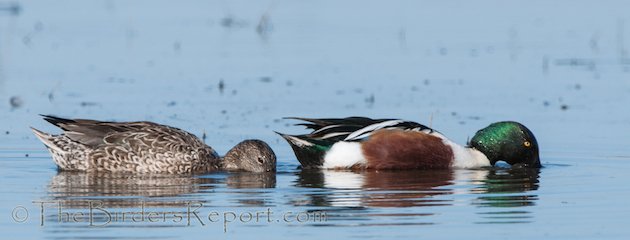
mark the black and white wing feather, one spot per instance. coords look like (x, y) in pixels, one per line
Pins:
(354, 128)
(365, 132)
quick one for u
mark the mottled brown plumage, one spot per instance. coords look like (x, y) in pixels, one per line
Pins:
(141, 147)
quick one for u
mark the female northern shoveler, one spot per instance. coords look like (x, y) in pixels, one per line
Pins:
(145, 147)
(358, 142)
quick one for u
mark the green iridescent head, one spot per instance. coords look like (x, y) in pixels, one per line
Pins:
(507, 141)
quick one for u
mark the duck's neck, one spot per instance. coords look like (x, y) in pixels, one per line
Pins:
(466, 157)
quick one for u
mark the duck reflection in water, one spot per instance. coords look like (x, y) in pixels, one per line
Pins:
(375, 188)
(74, 189)
(417, 188)
(251, 188)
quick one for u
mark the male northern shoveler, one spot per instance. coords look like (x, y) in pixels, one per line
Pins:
(145, 147)
(358, 142)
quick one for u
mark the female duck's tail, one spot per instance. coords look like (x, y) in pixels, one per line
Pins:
(48, 140)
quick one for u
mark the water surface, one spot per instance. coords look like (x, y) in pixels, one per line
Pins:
(231, 70)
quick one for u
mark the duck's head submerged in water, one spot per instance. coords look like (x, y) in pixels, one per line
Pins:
(250, 156)
(507, 141)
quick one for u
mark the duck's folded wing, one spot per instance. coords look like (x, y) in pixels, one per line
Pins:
(319, 123)
(354, 128)
(93, 133)
(366, 131)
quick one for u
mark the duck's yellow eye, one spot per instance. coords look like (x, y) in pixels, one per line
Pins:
(527, 144)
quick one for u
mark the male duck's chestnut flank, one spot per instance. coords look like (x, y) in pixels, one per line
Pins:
(145, 147)
(358, 142)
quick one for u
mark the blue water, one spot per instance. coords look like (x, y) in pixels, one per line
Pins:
(233, 69)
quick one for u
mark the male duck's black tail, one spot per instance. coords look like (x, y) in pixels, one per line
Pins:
(308, 153)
